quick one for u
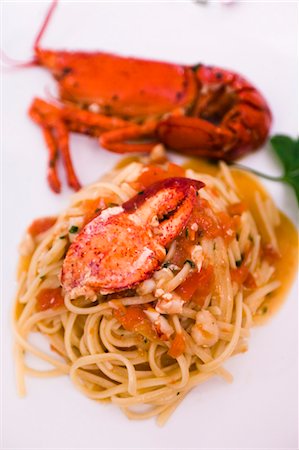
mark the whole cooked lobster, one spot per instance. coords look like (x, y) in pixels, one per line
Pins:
(132, 104)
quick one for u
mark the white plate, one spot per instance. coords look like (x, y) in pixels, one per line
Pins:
(257, 39)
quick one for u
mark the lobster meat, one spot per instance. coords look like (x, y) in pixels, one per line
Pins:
(132, 104)
(125, 244)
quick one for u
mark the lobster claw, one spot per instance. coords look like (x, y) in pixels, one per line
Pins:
(195, 136)
(124, 245)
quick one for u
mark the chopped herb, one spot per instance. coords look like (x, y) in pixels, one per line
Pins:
(186, 232)
(287, 151)
(264, 309)
(62, 237)
(111, 205)
(42, 277)
(239, 262)
(178, 393)
(192, 264)
(145, 340)
(97, 210)
(166, 264)
(140, 192)
(73, 229)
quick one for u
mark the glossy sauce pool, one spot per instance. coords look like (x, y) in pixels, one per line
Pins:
(287, 236)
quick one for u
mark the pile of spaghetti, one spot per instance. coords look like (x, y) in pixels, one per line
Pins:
(145, 348)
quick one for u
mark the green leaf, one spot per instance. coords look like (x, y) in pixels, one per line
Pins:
(73, 229)
(287, 150)
(294, 182)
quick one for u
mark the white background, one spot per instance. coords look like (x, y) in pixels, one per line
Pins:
(259, 40)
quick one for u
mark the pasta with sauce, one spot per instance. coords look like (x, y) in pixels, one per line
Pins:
(146, 347)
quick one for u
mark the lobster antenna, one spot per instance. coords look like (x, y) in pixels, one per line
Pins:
(45, 24)
(13, 63)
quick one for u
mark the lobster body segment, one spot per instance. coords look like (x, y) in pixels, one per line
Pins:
(132, 104)
(126, 87)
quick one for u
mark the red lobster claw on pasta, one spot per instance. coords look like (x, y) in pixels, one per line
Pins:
(125, 244)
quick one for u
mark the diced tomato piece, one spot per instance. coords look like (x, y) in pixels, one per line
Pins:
(207, 226)
(151, 174)
(134, 319)
(214, 191)
(228, 225)
(270, 254)
(223, 225)
(173, 170)
(93, 207)
(241, 275)
(189, 286)
(182, 250)
(41, 225)
(202, 203)
(250, 282)
(178, 346)
(49, 298)
(197, 286)
(205, 285)
(236, 209)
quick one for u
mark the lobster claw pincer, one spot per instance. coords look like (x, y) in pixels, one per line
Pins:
(125, 244)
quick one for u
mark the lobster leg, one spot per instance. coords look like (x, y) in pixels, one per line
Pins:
(52, 175)
(56, 124)
(63, 142)
(115, 140)
(87, 122)
(77, 120)
(57, 139)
